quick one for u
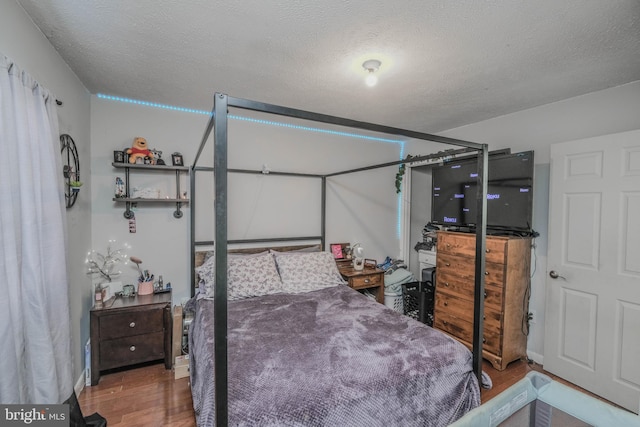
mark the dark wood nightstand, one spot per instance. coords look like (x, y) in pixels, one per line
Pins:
(131, 330)
(369, 278)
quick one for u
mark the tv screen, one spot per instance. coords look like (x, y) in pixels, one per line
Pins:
(509, 192)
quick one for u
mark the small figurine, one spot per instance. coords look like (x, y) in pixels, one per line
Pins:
(120, 193)
(157, 155)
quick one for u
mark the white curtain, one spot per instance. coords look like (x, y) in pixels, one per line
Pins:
(35, 346)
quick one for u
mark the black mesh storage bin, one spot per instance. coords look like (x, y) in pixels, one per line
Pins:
(418, 297)
(429, 288)
(413, 300)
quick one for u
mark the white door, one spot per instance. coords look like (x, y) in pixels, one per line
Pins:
(592, 326)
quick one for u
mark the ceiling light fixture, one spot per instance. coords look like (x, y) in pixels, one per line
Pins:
(372, 65)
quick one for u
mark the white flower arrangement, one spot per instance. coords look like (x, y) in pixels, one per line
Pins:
(104, 265)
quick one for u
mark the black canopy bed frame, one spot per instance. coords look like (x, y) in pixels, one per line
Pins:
(218, 123)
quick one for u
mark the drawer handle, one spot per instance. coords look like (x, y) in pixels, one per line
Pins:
(487, 250)
(485, 294)
(366, 280)
(132, 324)
(446, 284)
(486, 273)
(445, 323)
(446, 304)
(447, 264)
(132, 348)
(448, 245)
(484, 340)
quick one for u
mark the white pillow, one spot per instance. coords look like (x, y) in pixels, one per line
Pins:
(303, 272)
(252, 276)
(247, 276)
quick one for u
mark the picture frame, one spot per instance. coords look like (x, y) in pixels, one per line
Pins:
(176, 159)
(118, 156)
(339, 250)
(370, 263)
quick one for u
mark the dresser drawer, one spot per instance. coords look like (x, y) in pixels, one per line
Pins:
(463, 309)
(464, 268)
(463, 330)
(465, 289)
(131, 323)
(131, 350)
(465, 245)
(368, 281)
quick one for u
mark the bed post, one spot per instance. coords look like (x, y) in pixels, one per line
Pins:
(481, 235)
(323, 216)
(220, 304)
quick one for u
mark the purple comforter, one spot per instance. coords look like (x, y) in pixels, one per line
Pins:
(330, 357)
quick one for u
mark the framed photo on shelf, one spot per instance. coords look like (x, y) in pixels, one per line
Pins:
(176, 159)
(118, 156)
(370, 263)
(339, 250)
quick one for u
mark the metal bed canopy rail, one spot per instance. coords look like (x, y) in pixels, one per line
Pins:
(218, 123)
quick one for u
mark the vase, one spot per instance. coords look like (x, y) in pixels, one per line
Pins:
(145, 288)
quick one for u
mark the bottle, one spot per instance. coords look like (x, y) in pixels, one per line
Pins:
(160, 282)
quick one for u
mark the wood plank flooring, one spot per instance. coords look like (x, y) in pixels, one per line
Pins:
(149, 396)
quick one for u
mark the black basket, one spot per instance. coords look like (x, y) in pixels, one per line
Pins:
(417, 298)
(411, 294)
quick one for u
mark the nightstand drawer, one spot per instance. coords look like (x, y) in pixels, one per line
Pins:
(368, 281)
(131, 323)
(131, 350)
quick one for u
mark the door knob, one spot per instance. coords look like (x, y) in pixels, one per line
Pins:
(554, 275)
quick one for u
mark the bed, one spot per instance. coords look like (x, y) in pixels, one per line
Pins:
(218, 328)
(304, 349)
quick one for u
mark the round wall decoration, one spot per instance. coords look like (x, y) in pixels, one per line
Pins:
(70, 169)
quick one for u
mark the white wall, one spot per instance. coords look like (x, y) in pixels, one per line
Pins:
(361, 207)
(598, 113)
(22, 41)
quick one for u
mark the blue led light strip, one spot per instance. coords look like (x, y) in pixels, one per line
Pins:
(273, 123)
(152, 104)
(248, 119)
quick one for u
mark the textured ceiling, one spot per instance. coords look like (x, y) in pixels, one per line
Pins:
(444, 63)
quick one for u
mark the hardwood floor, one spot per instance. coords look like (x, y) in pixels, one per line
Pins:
(144, 396)
(149, 396)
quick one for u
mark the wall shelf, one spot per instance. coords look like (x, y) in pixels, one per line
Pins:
(130, 201)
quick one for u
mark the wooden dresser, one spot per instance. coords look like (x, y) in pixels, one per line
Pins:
(131, 330)
(507, 270)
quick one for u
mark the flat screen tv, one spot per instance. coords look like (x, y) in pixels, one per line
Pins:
(509, 193)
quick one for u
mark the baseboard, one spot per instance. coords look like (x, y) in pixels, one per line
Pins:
(538, 358)
(80, 384)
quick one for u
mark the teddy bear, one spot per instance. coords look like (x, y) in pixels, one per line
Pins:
(139, 149)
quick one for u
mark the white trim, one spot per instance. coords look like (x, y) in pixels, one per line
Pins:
(80, 384)
(538, 358)
(405, 194)
(405, 238)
